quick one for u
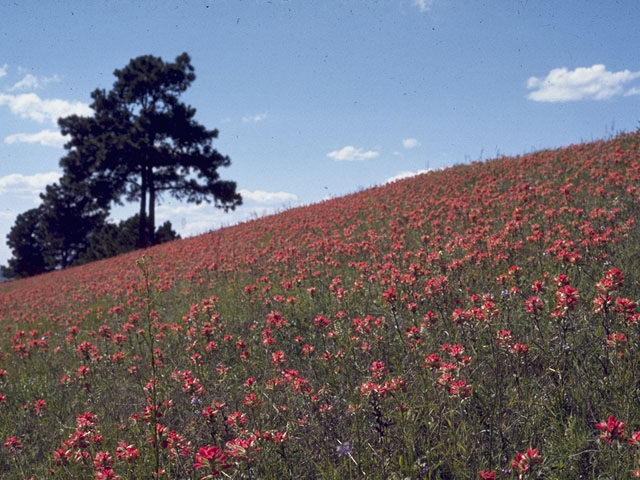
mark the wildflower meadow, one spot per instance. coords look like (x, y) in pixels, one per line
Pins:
(477, 322)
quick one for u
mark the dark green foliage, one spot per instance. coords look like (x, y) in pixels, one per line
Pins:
(68, 229)
(164, 233)
(142, 141)
(56, 233)
(69, 217)
(112, 239)
(23, 239)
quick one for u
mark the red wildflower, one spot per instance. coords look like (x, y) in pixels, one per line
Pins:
(504, 338)
(39, 405)
(617, 340)
(13, 444)
(278, 358)
(487, 475)
(321, 322)
(390, 295)
(533, 305)
(634, 439)
(432, 361)
(83, 372)
(308, 349)
(211, 458)
(237, 419)
(566, 300)
(61, 456)
(106, 474)
(612, 429)
(611, 282)
(377, 369)
(625, 305)
(103, 461)
(367, 388)
(274, 318)
(241, 448)
(251, 400)
(460, 387)
(127, 452)
(519, 349)
(522, 461)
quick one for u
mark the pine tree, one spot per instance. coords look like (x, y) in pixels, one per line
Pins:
(142, 142)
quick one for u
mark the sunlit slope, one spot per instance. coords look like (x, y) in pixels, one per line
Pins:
(466, 210)
(435, 327)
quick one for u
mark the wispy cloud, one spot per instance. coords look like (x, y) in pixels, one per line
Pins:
(211, 219)
(3, 70)
(409, 143)
(254, 118)
(48, 138)
(192, 219)
(584, 83)
(260, 196)
(351, 154)
(31, 106)
(423, 5)
(406, 174)
(30, 81)
(31, 184)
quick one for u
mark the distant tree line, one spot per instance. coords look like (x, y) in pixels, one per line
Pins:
(140, 143)
(58, 235)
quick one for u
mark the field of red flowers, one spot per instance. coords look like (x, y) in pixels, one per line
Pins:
(477, 322)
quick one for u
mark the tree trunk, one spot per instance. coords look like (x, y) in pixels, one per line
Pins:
(152, 209)
(142, 227)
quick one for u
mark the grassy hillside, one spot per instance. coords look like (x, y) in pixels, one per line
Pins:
(474, 322)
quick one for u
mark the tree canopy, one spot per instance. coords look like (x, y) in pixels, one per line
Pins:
(56, 233)
(68, 218)
(142, 141)
(24, 241)
(62, 232)
(112, 239)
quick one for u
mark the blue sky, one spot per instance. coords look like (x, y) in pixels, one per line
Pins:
(319, 99)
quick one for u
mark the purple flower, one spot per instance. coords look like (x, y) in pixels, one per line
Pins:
(344, 449)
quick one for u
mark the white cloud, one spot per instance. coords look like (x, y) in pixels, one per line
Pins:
(423, 5)
(3, 70)
(55, 78)
(193, 219)
(406, 174)
(632, 91)
(584, 83)
(254, 118)
(30, 81)
(31, 184)
(31, 106)
(192, 208)
(350, 154)
(410, 143)
(260, 196)
(48, 138)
